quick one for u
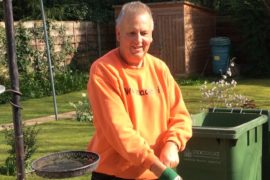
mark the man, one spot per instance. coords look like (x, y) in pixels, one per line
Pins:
(140, 117)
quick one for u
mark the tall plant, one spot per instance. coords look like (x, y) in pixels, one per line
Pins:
(222, 93)
(253, 20)
(23, 49)
(33, 64)
(3, 56)
(30, 134)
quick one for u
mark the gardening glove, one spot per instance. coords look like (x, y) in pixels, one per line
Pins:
(169, 154)
(169, 174)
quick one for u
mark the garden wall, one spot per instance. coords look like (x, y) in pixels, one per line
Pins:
(92, 41)
(89, 39)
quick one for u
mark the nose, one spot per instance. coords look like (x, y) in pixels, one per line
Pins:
(138, 38)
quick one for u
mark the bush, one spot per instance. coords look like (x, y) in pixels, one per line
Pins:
(222, 94)
(70, 80)
(253, 20)
(32, 64)
(83, 110)
(30, 146)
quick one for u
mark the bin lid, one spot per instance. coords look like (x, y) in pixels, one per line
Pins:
(240, 110)
(220, 41)
(225, 125)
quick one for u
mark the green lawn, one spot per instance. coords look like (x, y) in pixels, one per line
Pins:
(56, 136)
(40, 107)
(258, 90)
(72, 135)
(255, 89)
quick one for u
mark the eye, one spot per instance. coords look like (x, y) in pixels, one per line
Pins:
(144, 33)
(132, 33)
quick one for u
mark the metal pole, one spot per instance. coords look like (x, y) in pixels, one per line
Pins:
(49, 59)
(13, 72)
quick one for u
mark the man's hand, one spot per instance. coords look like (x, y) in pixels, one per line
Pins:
(169, 155)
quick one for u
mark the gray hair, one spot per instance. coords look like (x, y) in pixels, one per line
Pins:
(135, 7)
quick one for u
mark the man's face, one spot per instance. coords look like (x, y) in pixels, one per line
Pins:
(134, 34)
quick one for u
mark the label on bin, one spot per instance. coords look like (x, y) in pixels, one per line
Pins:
(216, 58)
(203, 156)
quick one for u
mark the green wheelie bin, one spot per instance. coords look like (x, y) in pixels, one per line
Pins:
(226, 145)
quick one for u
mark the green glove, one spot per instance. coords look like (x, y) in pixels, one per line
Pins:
(169, 174)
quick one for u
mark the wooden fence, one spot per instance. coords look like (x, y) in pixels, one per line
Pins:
(89, 39)
(92, 40)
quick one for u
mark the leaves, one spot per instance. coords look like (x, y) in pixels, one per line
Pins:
(83, 109)
(255, 28)
(33, 64)
(30, 134)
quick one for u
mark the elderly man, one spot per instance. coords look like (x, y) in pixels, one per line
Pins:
(140, 117)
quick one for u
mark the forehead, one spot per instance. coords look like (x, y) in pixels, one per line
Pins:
(134, 21)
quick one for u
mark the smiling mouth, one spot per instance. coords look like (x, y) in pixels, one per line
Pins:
(137, 49)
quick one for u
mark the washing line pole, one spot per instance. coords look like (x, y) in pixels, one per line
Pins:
(49, 59)
(14, 78)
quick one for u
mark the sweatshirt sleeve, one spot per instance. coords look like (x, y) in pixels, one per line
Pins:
(113, 121)
(179, 123)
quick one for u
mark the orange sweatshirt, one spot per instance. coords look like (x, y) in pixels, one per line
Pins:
(136, 111)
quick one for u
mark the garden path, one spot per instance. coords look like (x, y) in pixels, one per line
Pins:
(40, 120)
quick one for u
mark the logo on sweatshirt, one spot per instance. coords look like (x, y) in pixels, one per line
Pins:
(142, 92)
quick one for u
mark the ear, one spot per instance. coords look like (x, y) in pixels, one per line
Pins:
(117, 33)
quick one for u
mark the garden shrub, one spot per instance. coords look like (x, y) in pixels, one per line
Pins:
(82, 109)
(190, 80)
(30, 134)
(222, 93)
(3, 65)
(70, 80)
(253, 20)
(33, 65)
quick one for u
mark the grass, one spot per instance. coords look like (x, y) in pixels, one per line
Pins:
(258, 90)
(56, 136)
(34, 108)
(255, 89)
(72, 135)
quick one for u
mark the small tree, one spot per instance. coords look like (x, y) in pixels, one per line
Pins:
(30, 146)
(83, 109)
(252, 19)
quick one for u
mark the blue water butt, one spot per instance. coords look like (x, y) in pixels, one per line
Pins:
(220, 47)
